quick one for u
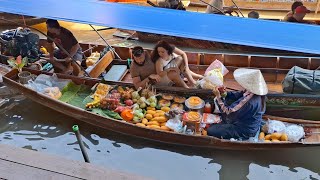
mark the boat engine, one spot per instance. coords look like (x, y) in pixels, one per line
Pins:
(20, 41)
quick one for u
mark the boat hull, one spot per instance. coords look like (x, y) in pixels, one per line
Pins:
(133, 130)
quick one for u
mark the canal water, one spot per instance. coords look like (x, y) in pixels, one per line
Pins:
(29, 125)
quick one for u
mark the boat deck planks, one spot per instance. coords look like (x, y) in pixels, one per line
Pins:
(19, 163)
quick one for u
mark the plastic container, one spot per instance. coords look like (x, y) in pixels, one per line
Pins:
(199, 106)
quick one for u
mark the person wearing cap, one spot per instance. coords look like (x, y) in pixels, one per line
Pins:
(293, 8)
(298, 15)
(143, 71)
(241, 111)
(63, 38)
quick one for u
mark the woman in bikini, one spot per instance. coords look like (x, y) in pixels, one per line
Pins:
(170, 58)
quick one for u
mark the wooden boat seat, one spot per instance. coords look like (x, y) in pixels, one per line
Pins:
(288, 63)
(116, 73)
(101, 65)
(315, 63)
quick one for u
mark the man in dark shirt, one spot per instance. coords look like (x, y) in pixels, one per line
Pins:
(299, 14)
(63, 38)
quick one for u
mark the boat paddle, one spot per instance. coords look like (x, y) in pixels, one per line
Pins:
(76, 130)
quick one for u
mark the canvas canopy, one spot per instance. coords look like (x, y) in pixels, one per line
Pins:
(235, 30)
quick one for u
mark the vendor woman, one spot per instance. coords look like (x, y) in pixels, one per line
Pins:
(241, 111)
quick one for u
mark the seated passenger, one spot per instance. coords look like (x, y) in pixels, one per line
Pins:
(298, 15)
(170, 58)
(293, 8)
(253, 14)
(241, 111)
(215, 7)
(143, 71)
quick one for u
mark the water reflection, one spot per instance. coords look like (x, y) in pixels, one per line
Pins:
(30, 125)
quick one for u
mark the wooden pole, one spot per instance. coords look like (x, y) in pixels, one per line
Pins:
(76, 130)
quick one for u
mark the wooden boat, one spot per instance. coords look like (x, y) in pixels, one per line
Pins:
(124, 127)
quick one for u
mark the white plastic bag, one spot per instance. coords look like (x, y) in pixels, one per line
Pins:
(175, 124)
(294, 133)
(213, 76)
(217, 65)
(52, 81)
(276, 126)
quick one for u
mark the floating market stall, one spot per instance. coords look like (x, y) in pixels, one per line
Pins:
(168, 116)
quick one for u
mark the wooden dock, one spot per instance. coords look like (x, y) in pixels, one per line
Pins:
(19, 163)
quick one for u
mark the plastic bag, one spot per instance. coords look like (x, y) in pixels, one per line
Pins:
(276, 126)
(52, 81)
(217, 65)
(175, 124)
(294, 133)
(213, 76)
(52, 92)
(208, 118)
(36, 86)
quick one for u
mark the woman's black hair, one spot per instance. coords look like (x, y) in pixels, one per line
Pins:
(164, 44)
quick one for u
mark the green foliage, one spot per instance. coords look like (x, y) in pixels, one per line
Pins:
(18, 63)
(106, 113)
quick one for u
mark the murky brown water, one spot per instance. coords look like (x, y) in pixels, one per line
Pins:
(30, 125)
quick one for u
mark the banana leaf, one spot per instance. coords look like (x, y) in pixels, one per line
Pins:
(77, 95)
(106, 113)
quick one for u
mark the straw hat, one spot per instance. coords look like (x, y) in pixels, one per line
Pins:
(252, 80)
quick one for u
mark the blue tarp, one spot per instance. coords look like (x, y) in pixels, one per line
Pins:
(243, 31)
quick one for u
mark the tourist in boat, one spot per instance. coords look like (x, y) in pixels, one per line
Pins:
(293, 8)
(143, 71)
(241, 111)
(253, 14)
(168, 57)
(298, 15)
(63, 38)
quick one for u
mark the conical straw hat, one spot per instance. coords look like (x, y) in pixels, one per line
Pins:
(252, 80)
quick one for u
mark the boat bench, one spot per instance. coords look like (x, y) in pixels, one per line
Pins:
(115, 73)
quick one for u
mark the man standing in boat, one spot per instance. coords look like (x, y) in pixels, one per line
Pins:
(143, 71)
(63, 38)
(241, 111)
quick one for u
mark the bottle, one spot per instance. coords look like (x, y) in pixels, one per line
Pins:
(207, 108)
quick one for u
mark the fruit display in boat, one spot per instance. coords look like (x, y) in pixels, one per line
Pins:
(192, 116)
(164, 103)
(127, 115)
(110, 102)
(95, 103)
(177, 105)
(179, 99)
(167, 96)
(194, 102)
(135, 95)
(102, 90)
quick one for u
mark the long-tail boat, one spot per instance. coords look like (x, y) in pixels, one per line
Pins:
(282, 40)
(311, 128)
